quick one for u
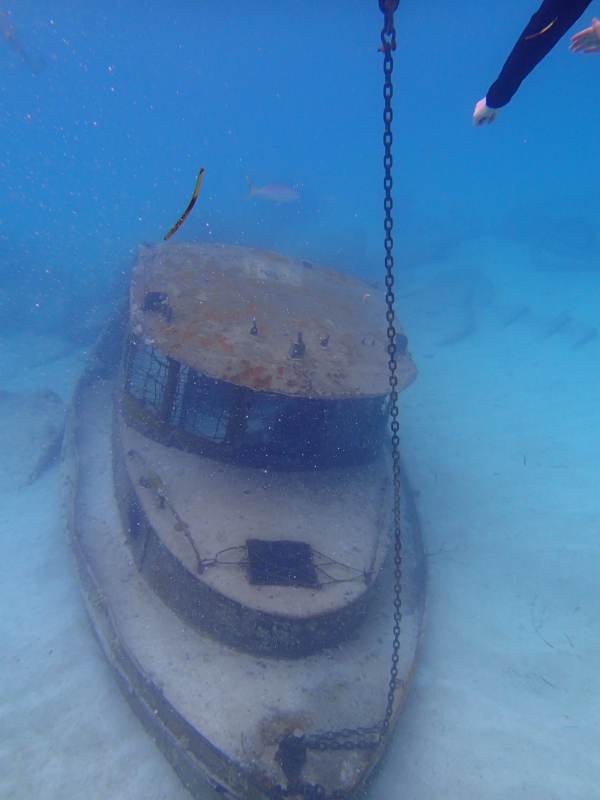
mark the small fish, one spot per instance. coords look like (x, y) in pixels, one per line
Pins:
(515, 315)
(557, 326)
(590, 336)
(8, 34)
(274, 192)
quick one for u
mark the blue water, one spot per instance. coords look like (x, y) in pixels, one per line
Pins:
(100, 152)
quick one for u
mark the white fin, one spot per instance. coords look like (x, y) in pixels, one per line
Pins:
(253, 189)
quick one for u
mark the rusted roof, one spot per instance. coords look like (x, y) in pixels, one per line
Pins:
(202, 301)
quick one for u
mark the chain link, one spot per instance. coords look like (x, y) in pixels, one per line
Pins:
(345, 739)
(308, 791)
(371, 737)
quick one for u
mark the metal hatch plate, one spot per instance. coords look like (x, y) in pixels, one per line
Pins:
(215, 292)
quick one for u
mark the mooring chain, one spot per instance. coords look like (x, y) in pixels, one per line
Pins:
(371, 737)
(388, 44)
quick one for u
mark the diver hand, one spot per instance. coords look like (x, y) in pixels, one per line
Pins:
(587, 40)
(484, 115)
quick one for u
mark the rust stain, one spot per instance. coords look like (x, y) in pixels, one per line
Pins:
(223, 344)
(216, 330)
(254, 375)
(262, 383)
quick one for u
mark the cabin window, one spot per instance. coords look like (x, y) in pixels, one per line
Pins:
(148, 378)
(254, 427)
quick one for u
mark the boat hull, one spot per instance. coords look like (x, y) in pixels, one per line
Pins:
(218, 714)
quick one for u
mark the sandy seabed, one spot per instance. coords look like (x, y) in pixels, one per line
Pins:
(500, 435)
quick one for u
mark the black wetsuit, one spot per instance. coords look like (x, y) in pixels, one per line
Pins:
(549, 23)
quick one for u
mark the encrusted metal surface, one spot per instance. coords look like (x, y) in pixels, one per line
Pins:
(214, 293)
(219, 714)
(345, 522)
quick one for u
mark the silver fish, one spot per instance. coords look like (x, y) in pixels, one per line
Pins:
(274, 192)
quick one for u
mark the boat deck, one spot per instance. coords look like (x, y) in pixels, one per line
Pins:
(217, 713)
(342, 513)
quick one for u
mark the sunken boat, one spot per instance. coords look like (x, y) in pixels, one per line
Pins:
(228, 497)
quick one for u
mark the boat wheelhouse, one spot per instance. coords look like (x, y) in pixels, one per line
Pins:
(237, 576)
